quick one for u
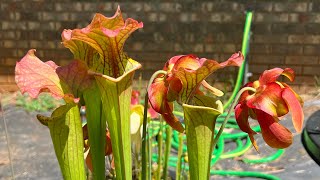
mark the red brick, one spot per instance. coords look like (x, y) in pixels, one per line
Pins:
(8, 88)
(169, 7)
(9, 25)
(311, 70)
(6, 52)
(9, 44)
(262, 6)
(305, 80)
(89, 6)
(294, 18)
(150, 57)
(9, 61)
(228, 48)
(11, 79)
(67, 6)
(287, 28)
(304, 39)
(257, 69)
(4, 79)
(312, 28)
(290, 6)
(260, 49)
(270, 39)
(302, 60)
(261, 28)
(31, 15)
(264, 59)
(105, 6)
(270, 17)
(287, 49)
(316, 6)
(284, 33)
(212, 48)
(8, 70)
(153, 65)
(311, 50)
(8, 35)
(314, 18)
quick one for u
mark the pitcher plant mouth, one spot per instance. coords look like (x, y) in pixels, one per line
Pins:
(200, 127)
(218, 109)
(118, 79)
(101, 43)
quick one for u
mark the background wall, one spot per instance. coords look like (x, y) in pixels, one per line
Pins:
(285, 33)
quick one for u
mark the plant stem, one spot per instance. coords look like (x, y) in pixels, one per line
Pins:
(178, 169)
(144, 128)
(167, 151)
(160, 139)
(96, 123)
(144, 136)
(229, 112)
(149, 156)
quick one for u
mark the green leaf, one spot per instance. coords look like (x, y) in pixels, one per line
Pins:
(96, 123)
(66, 133)
(116, 98)
(100, 46)
(68, 82)
(200, 123)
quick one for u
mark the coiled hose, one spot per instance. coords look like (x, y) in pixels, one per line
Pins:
(240, 139)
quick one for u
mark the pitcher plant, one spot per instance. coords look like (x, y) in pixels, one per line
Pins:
(100, 78)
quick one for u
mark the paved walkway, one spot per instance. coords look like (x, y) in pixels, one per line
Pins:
(34, 158)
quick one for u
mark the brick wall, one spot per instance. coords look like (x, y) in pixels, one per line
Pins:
(285, 33)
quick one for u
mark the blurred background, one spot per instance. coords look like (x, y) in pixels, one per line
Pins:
(284, 33)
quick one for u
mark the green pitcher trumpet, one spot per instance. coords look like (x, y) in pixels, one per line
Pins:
(200, 123)
(100, 46)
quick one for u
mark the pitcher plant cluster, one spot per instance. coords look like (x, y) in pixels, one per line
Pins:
(100, 78)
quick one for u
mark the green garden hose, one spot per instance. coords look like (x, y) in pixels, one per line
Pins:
(244, 50)
(245, 174)
(237, 137)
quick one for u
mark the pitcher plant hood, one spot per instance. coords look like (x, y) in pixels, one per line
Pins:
(185, 74)
(100, 44)
(271, 101)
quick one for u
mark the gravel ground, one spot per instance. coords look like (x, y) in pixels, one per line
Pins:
(33, 155)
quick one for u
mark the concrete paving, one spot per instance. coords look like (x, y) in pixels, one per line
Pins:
(34, 158)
